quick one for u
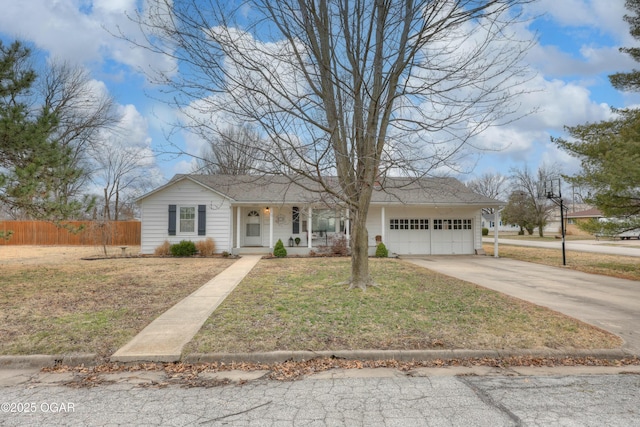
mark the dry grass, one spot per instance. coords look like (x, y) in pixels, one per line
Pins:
(296, 304)
(206, 247)
(53, 302)
(163, 250)
(608, 265)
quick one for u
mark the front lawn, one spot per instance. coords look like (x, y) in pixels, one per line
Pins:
(299, 304)
(594, 263)
(53, 302)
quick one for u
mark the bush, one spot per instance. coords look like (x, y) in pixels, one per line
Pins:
(485, 231)
(184, 248)
(381, 251)
(279, 250)
(163, 250)
(206, 247)
(339, 246)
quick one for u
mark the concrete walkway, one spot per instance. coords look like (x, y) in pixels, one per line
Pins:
(163, 339)
(606, 302)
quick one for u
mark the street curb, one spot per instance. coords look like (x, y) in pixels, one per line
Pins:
(46, 361)
(399, 355)
(92, 359)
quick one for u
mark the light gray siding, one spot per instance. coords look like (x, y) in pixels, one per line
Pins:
(155, 216)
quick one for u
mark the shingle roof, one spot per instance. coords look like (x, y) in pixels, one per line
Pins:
(589, 213)
(282, 189)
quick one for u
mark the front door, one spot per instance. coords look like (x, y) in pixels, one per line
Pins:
(253, 232)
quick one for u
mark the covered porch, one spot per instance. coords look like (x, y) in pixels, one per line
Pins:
(255, 229)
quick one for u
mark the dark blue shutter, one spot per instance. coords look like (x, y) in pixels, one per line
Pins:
(296, 220)
(202, 220)
(172, 220)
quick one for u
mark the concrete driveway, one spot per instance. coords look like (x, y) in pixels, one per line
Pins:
(609, 303)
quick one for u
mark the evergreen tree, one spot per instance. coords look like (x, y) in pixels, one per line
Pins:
(32, 162)
(610, 150)
(630, 80)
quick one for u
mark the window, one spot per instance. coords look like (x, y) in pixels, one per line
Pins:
(253, 224)
(295, 220)
(466, 224)
(443, 224)
(323, 220)
(187, 219)
(409, 224)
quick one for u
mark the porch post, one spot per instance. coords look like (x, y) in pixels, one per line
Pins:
(238, 226)
(309, 227)
(382, 232)
(271, 228)
(347, 224)
(496, 226)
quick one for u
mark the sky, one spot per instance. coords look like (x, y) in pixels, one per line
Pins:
(576, 49)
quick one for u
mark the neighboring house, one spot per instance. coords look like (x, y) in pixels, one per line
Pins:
(488, 222)
(577, 217)
(584, 215)
(249, 214)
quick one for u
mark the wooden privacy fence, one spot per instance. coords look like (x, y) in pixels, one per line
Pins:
(118, 233)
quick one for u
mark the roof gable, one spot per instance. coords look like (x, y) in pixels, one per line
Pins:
(177, 178)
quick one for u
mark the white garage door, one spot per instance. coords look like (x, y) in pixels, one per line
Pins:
(409, 236)
(426, 236)
(452, 236)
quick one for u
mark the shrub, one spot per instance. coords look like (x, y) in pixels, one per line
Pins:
(279, 250)
(339, 246)
(163, 250)
(206, 247)
(226, 254)
(184, 248)
(381, 251)
(485, 231)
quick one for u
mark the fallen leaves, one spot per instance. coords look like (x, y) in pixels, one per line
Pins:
(188, 375)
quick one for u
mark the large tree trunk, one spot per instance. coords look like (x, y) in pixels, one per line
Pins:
(360, 252)
(360, 238)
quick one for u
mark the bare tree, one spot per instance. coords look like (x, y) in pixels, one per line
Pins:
(529, 187)
(353, 89)
(231, 151)
(492, 185)
(120, 170)
(83, 110)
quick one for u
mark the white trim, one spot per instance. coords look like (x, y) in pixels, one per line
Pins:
(238, 226)
(383, 226)
(347, 225)
(309, 227)
(496, 220)
(271, 214)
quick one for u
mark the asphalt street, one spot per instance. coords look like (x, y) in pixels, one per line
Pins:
(389, 399)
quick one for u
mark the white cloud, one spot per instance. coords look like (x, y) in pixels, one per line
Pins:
(604, 16)
(80, 31)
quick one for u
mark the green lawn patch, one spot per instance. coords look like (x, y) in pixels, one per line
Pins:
(299, 304)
